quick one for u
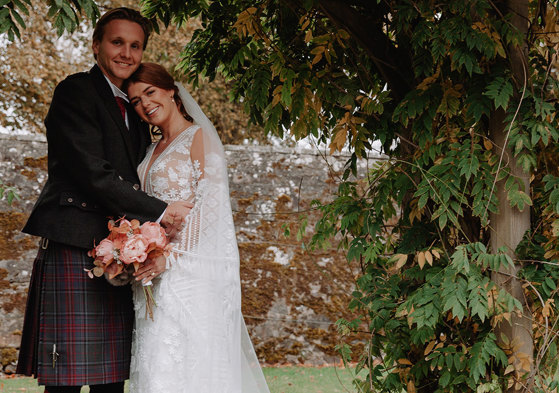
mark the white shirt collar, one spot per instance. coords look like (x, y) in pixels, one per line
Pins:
(116, 91)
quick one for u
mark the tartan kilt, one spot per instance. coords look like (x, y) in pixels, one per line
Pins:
(89, 320)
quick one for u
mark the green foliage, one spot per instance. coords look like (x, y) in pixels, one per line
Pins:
(10, 17)
(65, 15)
(429, 81)
(8, 193)
(426, 80)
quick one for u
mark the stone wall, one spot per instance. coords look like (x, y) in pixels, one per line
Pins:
(291, 297)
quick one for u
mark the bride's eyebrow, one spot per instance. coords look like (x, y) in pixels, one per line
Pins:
(143, 91)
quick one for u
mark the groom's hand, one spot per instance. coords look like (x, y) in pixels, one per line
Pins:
(173, 219)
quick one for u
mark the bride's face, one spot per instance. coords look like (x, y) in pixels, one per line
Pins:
(153, 104)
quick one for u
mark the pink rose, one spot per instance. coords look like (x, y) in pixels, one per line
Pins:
(134, 250)
(104, 251)
(154, 233)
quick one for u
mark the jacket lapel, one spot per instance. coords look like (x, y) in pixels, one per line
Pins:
(106, 94)
(140, 133)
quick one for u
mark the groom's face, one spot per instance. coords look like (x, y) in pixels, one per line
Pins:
(119, 53)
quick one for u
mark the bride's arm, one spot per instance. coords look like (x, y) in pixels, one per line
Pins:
(187, 238)
(197, 152)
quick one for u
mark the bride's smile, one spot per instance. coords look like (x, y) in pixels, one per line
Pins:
(154, 105)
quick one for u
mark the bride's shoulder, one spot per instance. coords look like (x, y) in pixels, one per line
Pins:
(193, 129)
(190, 133)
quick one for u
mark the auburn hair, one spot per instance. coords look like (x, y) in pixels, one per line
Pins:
(156, 75)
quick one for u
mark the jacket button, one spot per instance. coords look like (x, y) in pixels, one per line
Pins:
(84, 204)
(136, 187)
(70, 200)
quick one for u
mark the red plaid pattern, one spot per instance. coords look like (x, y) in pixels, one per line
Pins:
(89, 320)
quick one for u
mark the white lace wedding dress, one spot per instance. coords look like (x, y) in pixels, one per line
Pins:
(197, 341)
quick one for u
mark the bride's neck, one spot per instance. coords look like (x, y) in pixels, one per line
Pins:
(174, 127)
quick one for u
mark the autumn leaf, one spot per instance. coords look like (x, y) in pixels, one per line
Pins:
(401, 260)
(339, 140)
(429, 257)
(410, 387)
(547, 309)
(429, 348)
(421, 259)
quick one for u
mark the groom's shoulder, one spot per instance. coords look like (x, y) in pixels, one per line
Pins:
(74, 84)
(77, 77)
(80, 75)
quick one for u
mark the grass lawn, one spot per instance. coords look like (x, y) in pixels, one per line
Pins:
(280, 380)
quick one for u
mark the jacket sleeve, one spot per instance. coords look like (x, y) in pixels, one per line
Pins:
(76, 138)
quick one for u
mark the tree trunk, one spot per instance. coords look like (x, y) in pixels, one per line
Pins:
(509, 226)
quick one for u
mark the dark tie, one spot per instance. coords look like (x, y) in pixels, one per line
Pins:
(122, 105)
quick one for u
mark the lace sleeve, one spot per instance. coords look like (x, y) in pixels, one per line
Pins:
(188, 238)
(208, 228)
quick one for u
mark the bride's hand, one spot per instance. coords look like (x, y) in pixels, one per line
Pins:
(150, 269)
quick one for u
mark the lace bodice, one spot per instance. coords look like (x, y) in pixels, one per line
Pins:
(172, 174)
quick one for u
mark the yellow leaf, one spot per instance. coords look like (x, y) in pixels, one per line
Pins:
(401, 260)
(343, 34)
(318, 49)
(424, 85)
(276, 99)
(421, 259)
(316, 59)
(429, 257)
(308, 36)
(547, 308)
(509, 369)
(405, 362)
(414, 212)
(487, 144)
(357, 120)
(328, 57)
(339, 140)
(429, 348)
(305, 24)
(436, 253)
(410, 387)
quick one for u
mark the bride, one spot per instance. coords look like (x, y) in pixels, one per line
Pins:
(197, 340)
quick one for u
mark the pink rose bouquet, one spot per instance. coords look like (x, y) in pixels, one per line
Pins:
(128, 245)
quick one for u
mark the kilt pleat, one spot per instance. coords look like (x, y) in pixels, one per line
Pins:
(89, 321)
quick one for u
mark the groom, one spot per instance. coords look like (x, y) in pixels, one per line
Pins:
(78, 331)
